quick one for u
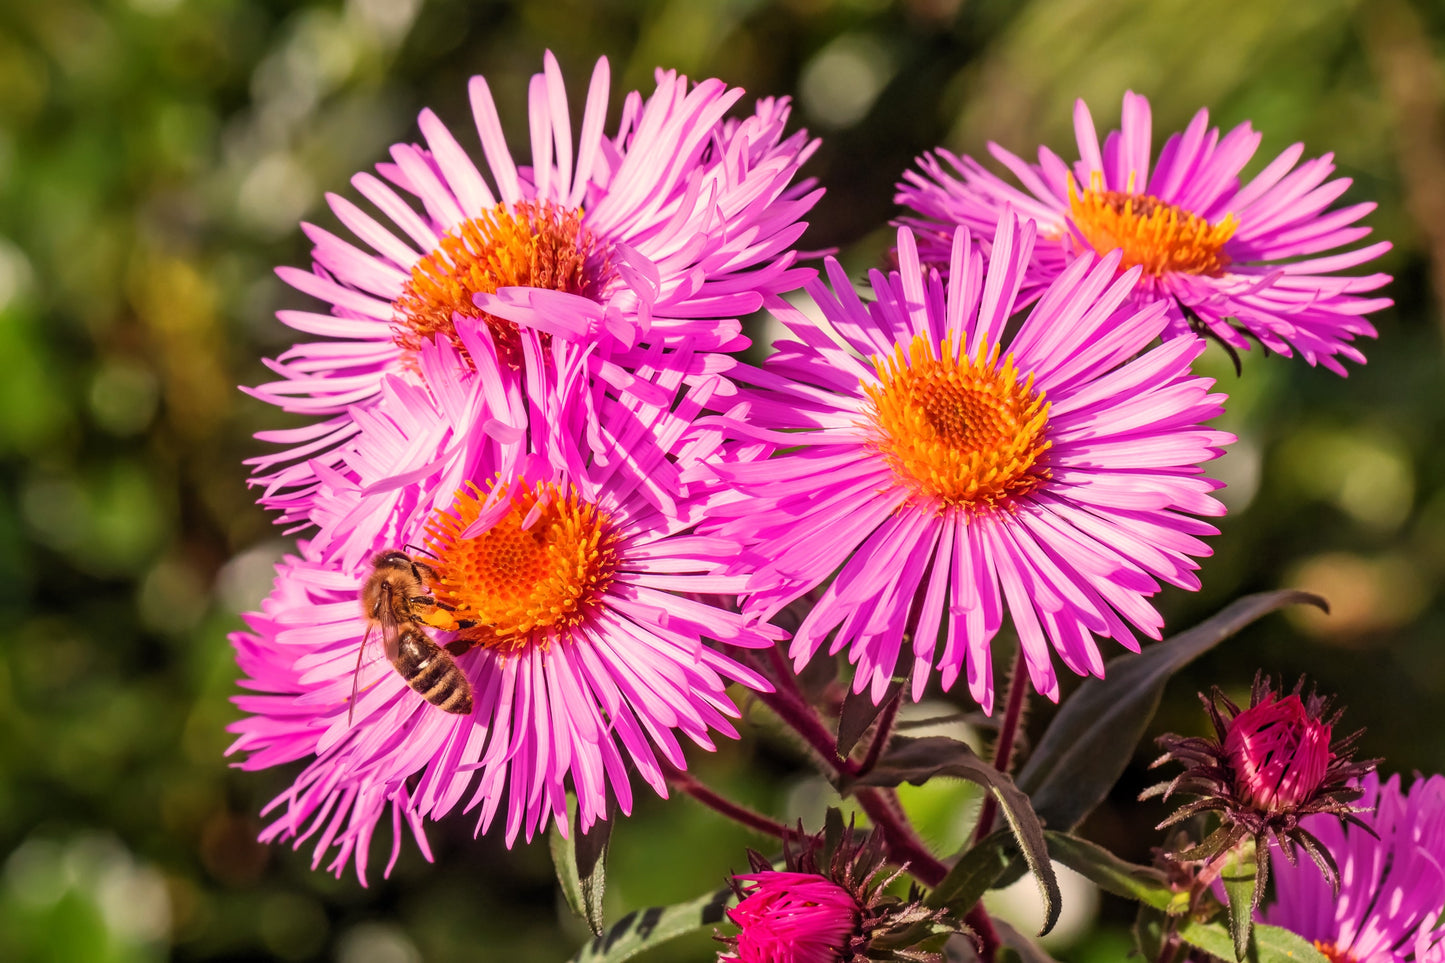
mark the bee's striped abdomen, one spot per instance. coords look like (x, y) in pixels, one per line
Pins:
(432, 673)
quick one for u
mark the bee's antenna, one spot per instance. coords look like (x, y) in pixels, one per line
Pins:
(420, 550)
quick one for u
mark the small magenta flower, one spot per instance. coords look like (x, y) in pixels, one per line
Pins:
(1387, 908)
(839, 913)
(1267, 768)
(792, 917)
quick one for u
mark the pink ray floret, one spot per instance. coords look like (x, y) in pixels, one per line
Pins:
(1272, 279)
(1069, 538)
(1392, 880)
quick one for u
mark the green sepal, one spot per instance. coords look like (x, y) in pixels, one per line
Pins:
(1241, 891)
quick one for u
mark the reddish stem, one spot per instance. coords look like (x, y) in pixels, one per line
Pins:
(688, 783)
(904, 845)
(982, 925)
(1003, 749)
(801, 718)
(883, 732)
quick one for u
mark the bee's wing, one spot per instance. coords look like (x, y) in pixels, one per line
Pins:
(356, 676)
(390, 628)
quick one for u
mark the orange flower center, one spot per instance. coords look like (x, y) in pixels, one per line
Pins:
(1333, 953)
(533, 575)
(1160, 237)
(534, 244)
(967, 434)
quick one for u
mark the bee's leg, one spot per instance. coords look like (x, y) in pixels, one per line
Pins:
(440, 618)
(460, 646)
(429, 573)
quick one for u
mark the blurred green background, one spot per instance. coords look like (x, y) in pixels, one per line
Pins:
(155, 157)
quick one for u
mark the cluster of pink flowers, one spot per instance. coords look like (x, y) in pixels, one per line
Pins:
(551, 514)
(511, 402)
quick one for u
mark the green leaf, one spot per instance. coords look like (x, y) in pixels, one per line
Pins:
(591, 853)
(1271, 944)
(581, 865)
(974, 873)
(1095, 733)
(1239, 881)
(1150, 928)
(1129, 880)
(918, 760)
(858, 714)
(976, 720)
(643, 929)
(564, 861)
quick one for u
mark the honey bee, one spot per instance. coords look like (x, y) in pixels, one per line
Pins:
(396, 600)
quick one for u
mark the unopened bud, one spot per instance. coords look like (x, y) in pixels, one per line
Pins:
(1278, 753)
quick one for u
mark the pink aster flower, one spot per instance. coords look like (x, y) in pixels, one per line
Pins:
(949, 465)
(668, 230)
(1392, 879)
(530, 573)
(791, 918)
(1235, 259)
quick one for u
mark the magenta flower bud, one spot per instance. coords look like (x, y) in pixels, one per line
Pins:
(792, 918)
(1278, 753)
(829, 904)
(1266, 768)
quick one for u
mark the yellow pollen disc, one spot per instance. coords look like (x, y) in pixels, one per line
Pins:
(965, 434)
(532, 244)
(1160, 237)
(522, 584)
